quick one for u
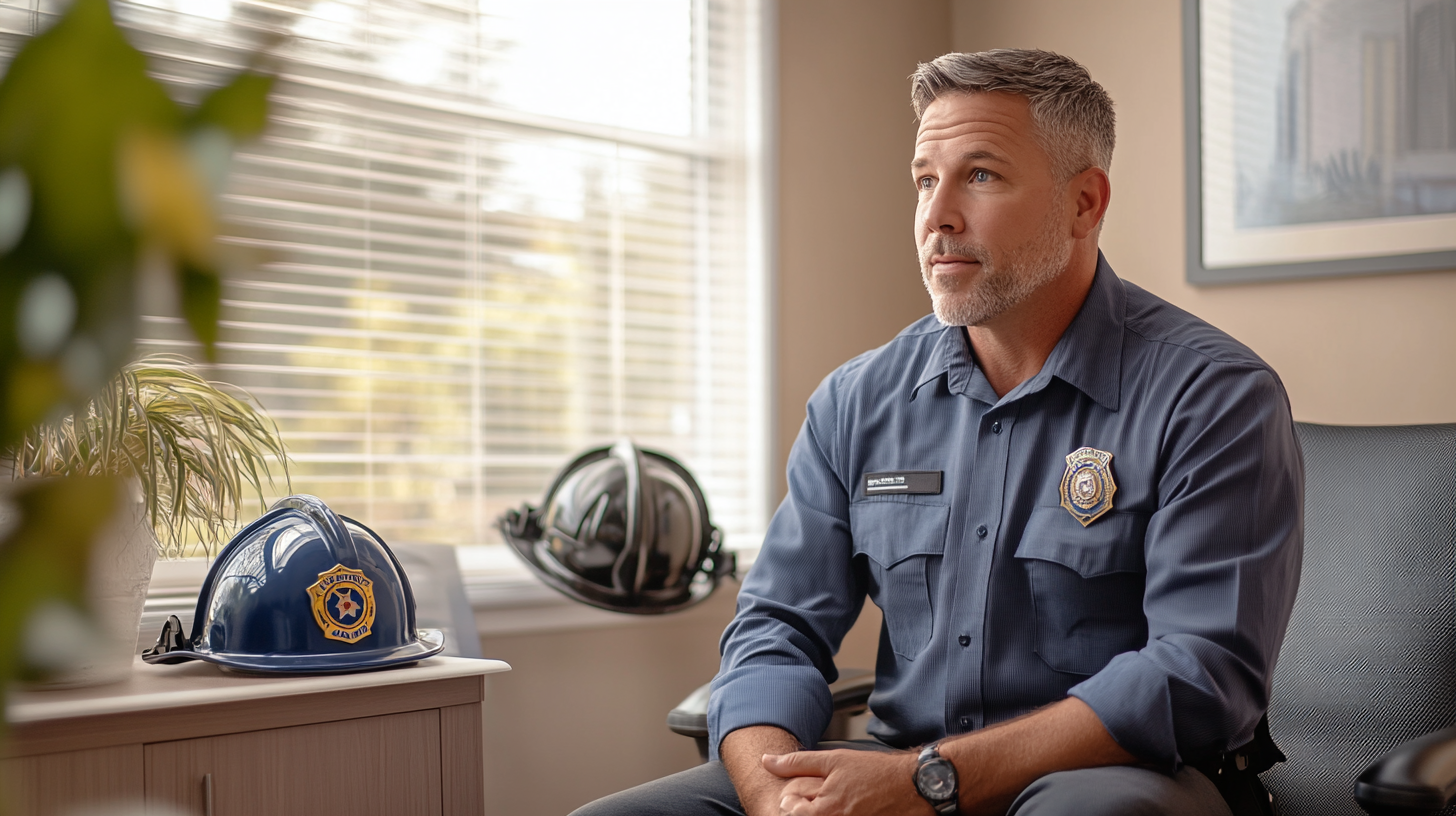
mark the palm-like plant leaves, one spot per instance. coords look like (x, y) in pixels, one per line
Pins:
(199, 449)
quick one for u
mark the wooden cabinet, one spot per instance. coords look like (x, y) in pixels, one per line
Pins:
(56, 783)
(395, 743)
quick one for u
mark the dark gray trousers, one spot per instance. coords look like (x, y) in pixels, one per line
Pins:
(1114, 791)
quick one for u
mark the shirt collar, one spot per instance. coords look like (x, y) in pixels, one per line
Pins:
(951, 358)
(1088, 356)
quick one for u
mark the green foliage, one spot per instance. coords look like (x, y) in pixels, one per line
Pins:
(240, 109)
(201, 302)
(196, 449)
(103, 153)
(97, 172)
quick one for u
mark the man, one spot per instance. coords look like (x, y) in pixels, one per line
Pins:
(1078, 507)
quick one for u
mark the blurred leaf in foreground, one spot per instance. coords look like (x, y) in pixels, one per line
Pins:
(101, 175)
(99, 168)
(43, 562)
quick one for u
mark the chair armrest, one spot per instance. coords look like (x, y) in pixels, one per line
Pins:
(1417, 776)
(851, 695)
(690, 718)
(851, 692)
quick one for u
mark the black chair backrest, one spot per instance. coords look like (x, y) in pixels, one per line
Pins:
(1370, 657)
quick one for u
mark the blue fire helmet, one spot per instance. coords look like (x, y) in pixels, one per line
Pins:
(302, 590)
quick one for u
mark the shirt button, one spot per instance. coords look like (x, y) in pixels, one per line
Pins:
(981, 531)
(965, 722)
(965, 640)
(996, 427)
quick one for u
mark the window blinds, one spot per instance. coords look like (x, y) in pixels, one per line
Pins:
(479, 237)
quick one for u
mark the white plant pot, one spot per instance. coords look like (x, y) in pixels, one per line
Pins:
(122, 558)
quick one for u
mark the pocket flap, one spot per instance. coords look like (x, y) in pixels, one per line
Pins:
(890, 531)
(1113, 543)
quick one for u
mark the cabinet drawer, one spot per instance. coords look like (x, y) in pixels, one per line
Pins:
(387, 765)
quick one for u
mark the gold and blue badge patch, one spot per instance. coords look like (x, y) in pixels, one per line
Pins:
(343, 604)
(1087, 486)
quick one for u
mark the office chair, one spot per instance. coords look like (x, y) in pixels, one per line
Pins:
(851, 695)
(1368, 667)
(1364, 693)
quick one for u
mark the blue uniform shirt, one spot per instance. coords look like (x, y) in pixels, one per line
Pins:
(1165, 614)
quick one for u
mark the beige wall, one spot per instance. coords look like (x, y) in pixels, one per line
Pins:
(1367, 350)
(847, 276)
(583, 713)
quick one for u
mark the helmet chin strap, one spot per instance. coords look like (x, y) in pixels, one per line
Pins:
(172, 639)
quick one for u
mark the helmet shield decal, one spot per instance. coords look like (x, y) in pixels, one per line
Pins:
(343, 604)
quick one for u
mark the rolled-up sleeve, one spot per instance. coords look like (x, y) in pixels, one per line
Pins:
(1222, 554)
(797, 603)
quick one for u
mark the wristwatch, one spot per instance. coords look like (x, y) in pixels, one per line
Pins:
(935, 779)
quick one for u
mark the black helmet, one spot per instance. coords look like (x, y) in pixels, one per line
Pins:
(622, 529)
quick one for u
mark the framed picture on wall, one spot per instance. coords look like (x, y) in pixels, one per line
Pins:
(1321, 137)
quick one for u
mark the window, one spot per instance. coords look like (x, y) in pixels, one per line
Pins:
(480, 236)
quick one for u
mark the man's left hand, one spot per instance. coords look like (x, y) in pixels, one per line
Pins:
(847, 783)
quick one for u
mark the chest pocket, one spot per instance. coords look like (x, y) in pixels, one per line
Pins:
(903, 544)
(1086, 587)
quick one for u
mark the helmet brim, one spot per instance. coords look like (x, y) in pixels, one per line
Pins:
(591, 595)
(428, 642)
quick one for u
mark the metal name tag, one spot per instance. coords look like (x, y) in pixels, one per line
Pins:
(909, 482)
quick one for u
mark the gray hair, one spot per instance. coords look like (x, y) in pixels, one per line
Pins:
(1073, 115)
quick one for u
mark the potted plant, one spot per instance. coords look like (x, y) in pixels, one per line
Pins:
(193, 451)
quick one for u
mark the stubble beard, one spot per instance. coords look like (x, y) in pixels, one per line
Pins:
(1007, 277)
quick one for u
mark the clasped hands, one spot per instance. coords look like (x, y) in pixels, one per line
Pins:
(847, 783)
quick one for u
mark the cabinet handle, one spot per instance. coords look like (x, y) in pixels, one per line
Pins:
(207, 795)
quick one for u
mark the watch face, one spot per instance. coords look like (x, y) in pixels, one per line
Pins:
(936, 779)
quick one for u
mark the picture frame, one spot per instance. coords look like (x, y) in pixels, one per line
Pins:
(1320, 137)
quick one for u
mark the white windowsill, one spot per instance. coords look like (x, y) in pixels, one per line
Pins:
(505, 596)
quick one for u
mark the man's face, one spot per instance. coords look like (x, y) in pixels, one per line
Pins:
(992, 224)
